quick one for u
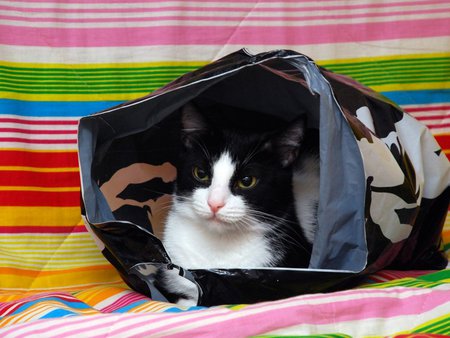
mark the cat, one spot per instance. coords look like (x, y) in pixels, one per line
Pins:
(233, 203)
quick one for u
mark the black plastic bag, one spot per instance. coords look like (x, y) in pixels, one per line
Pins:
(384, 181)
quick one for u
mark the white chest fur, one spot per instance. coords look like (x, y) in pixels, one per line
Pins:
(192, 247)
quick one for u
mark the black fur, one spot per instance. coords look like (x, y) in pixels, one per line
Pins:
(268, 156)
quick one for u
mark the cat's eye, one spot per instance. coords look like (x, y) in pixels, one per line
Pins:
(247, 182)
(200, 174)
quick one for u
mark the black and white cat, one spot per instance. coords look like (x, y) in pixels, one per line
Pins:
(234, 205)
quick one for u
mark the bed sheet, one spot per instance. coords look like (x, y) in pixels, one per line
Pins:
(60, 61)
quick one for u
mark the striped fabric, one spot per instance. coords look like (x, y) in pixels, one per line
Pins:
(60, 61)
(406, 306)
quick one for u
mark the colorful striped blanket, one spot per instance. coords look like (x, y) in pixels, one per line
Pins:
(60, 61)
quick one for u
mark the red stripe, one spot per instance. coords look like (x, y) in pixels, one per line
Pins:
(42, 229)
(39, 179)
(440, 125)
(431, 117)
(38, 122)
(443, 140)
(40, 198)
(21, 158)
(427, 108)
(36, 131)
(25, 140)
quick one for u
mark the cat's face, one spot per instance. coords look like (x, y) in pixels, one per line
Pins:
(232, 181)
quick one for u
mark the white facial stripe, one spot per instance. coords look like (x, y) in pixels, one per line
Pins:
(222, 171)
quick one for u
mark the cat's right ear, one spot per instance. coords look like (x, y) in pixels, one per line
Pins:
(192, 124)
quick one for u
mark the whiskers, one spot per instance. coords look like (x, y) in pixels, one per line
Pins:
(286, 232)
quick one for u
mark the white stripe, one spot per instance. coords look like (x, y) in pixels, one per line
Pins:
(70, 288)
(34, 146)
(55, 251)
(199, 4)
(50, 264)
(39, 136)
(206, 53)
(239, 14)
(222, 314)
(435, 113)
(41, 119)
(43, 127)
(299, 301)
(436, 122)
(239, 22)
(438, 131)
(111, 300)
(45, 239)
(368, 327)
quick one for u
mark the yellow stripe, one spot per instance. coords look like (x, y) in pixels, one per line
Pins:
(71, 97)
(411, 86)
(382, 58)
(96, 295)
(133, 96)
(40, 150)
(46, 280)
(37, 169)
(104, 65)
(34, 216)
(40, 189)
(202, 63)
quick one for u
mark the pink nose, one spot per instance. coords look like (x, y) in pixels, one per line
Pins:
(215, 205)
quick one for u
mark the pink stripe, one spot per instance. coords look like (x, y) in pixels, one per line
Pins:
(355, 309)
(159, 1)
(250, 9)
(214, 35)
(245, 324)
(215, 18)
(305, 313)
(124, 301)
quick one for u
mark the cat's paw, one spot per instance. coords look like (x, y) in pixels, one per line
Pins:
(178, 289)
(187, 302)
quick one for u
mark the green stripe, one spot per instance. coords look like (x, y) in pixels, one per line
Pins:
(329, 335)
(388, 63)
(438, 327)
(170, 75)
(70, 70)
(113, 80)
(426, 281)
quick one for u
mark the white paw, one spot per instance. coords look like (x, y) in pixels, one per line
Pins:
(187, 302)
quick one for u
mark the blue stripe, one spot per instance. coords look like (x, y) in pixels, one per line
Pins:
(419, 96)
(58, 313)
(75, 304)
(80, 109)
(53, 109)
(129, 306)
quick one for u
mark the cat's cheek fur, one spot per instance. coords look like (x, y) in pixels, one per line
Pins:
(306, 182)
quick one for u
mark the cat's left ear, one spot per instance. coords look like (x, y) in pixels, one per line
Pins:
(192, 123)
(287, 143)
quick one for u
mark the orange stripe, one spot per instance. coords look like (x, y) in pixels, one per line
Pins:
(43, 273)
